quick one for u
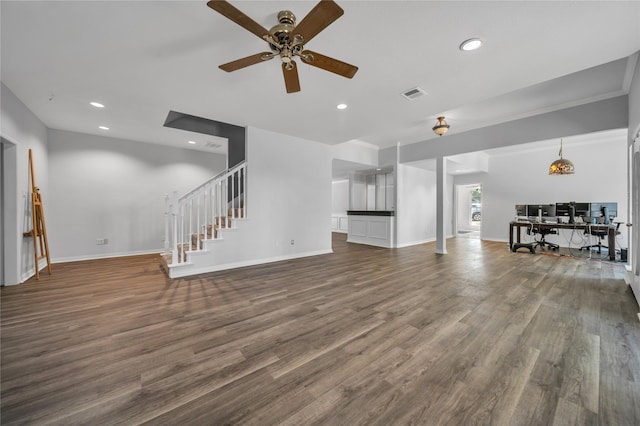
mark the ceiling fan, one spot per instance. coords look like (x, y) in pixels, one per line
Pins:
(286, 40)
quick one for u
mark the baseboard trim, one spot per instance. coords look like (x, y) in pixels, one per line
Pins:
(105, 256)
(415, 243)
(184, 272)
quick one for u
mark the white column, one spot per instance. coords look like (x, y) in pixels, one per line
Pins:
(441, 186)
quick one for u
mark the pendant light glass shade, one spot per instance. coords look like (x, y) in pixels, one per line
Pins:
(441, 127)
(561, 166)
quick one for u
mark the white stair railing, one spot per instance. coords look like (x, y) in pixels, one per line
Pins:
(202, 212)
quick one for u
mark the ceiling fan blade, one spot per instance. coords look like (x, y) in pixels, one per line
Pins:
(319, 18)
(245, 62)
(226, 9)
(329, 64)
(291, 80)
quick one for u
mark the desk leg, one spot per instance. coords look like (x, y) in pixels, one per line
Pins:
(511, 236)
(612, 244)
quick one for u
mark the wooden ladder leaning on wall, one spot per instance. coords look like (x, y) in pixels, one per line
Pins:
(39, 231)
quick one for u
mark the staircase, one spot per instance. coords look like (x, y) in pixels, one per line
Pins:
(200, 218)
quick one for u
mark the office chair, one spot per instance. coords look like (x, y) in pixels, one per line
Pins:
(601, 234)
(543, 231)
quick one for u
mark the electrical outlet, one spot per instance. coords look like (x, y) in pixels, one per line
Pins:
(292, 242)
(101, 241)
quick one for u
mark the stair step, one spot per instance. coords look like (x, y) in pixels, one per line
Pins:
(237, 212)
(220, 222)
(223, 221)
(212, 233)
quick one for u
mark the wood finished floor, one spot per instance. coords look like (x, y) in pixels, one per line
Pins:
(361, 336)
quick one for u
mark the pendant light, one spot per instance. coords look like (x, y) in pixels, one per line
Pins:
(441, 127)
(561, 166)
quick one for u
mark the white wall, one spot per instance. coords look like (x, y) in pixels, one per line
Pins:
(288, 198)
(289, 192)
(340, 197)
(416, 210)
(633, 132)
(356, 152)
(103, 187)
(22, 128)
(522, 178)
(634, 103)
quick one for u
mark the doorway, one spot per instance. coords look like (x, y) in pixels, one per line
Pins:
(635, 219)
(8, 213)
(469, 210)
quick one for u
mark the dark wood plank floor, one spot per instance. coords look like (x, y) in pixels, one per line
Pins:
(361, 336)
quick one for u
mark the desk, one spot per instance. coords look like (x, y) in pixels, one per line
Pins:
(611, 231)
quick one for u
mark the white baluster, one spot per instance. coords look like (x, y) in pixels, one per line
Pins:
(167, 217)
(244, 191)
(174, 239)
(206, 204)
(181, 240)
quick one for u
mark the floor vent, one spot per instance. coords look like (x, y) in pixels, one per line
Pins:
(414, 93)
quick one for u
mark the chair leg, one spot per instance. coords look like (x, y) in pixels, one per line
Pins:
(598, 246)
(552, 246)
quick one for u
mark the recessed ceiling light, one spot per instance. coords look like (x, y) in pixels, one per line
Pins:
(192, 142)
(471, 44)
(96, 104)
(103, 128)
(342, 106)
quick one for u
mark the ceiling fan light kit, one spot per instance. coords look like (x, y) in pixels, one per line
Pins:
(286, 40)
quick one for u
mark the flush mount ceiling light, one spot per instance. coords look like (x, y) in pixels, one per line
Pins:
(341, 106)
(441, 127)
(561, 166)
(96, 104)
(103, 128)
(191, 142)
(471, 44)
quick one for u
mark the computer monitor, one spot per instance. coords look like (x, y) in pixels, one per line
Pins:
(562, 209)
(582, 209)
(533, 209)
(549, 210)
(612, 209)
(603, 212)
(546, 210)
(572, 210)
(521, 210)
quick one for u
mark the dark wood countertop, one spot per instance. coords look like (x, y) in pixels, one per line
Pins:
(370, 213)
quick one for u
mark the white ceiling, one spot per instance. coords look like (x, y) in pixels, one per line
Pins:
(144, 58)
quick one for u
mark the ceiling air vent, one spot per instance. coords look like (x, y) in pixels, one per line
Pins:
(212, 145)
(414, 93)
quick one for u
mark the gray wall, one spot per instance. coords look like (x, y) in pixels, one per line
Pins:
(112, 188)
(634, 104)
(23, 130)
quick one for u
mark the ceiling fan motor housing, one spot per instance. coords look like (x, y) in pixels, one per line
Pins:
(281, 32)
